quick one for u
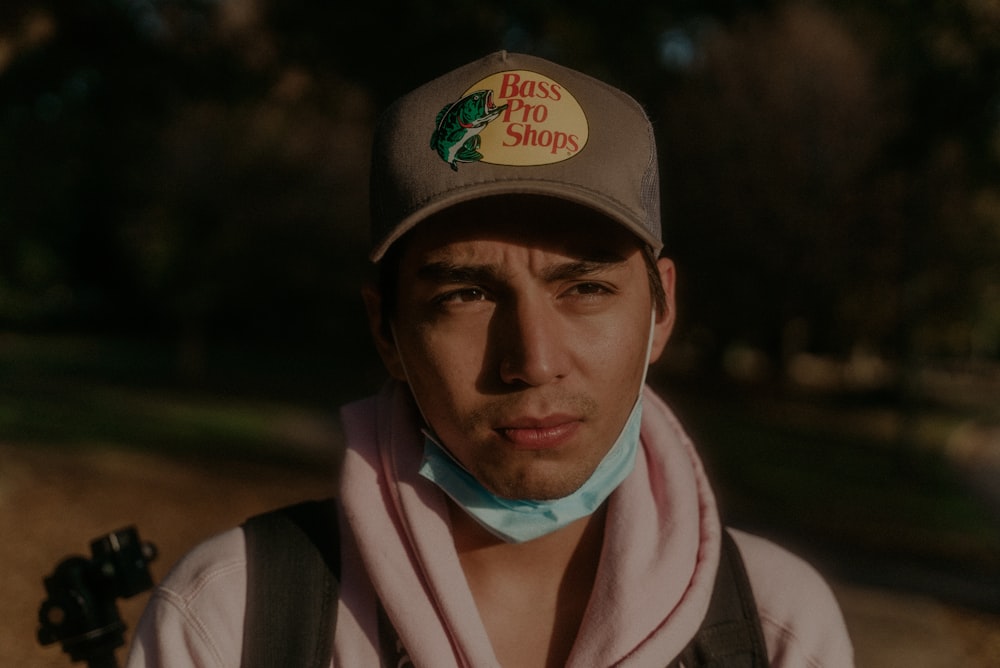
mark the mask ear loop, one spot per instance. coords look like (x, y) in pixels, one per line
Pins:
(649, 352)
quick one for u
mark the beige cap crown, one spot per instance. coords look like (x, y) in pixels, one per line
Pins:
(513, 124)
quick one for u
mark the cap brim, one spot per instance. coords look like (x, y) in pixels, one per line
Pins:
(559, 191)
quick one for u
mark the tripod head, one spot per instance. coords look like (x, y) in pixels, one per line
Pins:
(80, 611)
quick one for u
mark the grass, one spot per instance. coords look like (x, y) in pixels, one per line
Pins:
(75, 391)
(835, 482)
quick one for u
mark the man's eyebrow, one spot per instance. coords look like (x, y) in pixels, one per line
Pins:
(449, 272)
(582, 268)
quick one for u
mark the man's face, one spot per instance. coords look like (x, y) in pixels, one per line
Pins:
(522, 327)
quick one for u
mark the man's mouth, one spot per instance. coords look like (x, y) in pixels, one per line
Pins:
(540, 433)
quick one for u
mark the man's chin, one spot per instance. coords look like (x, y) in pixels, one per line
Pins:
(546, 490)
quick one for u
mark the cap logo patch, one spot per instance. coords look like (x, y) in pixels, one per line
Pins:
(513, 118)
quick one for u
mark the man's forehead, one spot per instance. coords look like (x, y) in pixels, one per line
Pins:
(527, 222)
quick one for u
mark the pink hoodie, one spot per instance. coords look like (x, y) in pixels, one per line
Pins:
(661, 550)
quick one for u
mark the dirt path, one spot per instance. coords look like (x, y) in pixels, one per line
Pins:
(53, 502)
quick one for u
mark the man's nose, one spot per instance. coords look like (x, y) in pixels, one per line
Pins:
(532, 343)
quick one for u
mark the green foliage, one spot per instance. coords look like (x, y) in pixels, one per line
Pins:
(199, 167)
(828, 478)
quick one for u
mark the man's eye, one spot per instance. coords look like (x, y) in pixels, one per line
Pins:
(463, 295)
(589, 289)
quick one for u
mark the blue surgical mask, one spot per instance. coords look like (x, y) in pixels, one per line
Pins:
(520, 520)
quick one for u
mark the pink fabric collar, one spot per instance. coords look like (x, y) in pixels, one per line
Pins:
(662, 529)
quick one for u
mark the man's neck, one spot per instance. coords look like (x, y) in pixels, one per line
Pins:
(531, 596)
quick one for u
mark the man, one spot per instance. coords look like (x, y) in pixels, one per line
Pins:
(515, 495)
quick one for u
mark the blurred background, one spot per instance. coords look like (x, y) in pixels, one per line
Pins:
(183, 228)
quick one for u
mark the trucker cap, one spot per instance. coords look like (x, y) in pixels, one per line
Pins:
(513, 124)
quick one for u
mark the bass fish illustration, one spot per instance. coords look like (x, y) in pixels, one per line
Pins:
(456, 137)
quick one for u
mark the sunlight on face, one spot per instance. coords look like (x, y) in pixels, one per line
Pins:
(522, 327)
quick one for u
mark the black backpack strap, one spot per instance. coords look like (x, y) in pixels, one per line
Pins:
(293, 573)
(730, 635)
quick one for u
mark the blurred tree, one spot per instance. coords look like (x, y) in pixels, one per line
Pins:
(164, 169)
(816, 199)
(86, 87)
(199, 167)
(947, 54)
(770, 152)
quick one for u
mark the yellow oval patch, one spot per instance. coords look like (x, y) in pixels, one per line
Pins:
(542, 123)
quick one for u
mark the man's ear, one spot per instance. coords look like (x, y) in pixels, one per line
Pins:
(381, 333)
(664, 323)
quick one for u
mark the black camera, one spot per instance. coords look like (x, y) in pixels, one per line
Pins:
(80, 611)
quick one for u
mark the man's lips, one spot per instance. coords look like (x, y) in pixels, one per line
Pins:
(540, 434)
